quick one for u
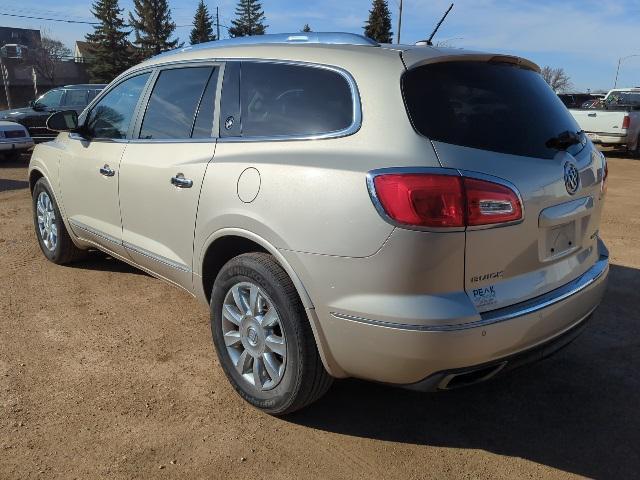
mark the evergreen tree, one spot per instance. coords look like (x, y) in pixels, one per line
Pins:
(378, 27)
(249, 19)
(153, 27)
(306, 28)
(110, 49)
(202, 25)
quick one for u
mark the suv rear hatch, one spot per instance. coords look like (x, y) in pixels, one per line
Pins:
(496, 116)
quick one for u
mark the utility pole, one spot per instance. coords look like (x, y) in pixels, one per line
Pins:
(615, 83)
(5, 80)
(217, 23)
(399, 22)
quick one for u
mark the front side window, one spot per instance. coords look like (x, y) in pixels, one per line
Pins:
(111, 116)
(293, 100)
(174, 103)
(51, 99)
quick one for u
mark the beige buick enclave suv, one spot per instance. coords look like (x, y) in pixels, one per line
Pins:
(411, 215)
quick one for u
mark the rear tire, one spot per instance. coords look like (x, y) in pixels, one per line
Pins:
(53, 238)
(635, 153)
(264, 324)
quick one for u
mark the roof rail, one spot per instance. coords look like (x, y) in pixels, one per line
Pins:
(310, 38)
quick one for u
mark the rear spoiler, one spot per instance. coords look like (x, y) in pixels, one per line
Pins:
(416, 57)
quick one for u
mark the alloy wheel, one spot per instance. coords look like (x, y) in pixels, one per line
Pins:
(254, 336)
(47, 221)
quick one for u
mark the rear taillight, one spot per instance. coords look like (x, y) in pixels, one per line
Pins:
(445, 201)
(422, 200)
(489, 203)
(626, 121)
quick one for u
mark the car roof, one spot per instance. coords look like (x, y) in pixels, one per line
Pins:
(94, 86)
(324, 47)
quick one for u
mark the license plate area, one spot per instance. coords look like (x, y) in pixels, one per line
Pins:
(558, 241)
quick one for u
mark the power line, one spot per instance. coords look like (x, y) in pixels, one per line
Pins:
(49, 19)
(81, 21)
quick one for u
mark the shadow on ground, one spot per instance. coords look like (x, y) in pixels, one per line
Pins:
(101, 262)
(576, 411)
(15, 162)
(7, 185)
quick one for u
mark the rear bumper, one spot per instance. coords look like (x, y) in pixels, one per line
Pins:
(466, 376)
(425, 354)
(608, 138)
(9, 144)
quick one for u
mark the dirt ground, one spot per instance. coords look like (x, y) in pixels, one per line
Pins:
(104, 375)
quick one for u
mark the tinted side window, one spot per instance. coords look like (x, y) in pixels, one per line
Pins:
(111, 116)
(203, 127)
(293, 100)
(51, 99)
(173, 103)
(75, 98)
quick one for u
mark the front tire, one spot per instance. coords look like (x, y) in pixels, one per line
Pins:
(636, 151)
(263, 337)
(53, 238)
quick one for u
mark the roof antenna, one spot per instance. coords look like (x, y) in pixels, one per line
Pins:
(435, 30)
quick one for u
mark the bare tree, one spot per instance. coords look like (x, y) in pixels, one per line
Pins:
(557, 79)
(45, 58)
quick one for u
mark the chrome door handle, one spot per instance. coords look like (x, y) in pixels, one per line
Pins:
(107, 171)
(592, 114)
(181, 182)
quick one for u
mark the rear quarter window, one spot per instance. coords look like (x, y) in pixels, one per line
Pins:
(497, 107)
(293, 100)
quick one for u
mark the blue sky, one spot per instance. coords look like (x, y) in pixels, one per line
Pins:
(584, 37)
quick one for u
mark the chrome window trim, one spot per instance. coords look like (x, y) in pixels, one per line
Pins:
(590, 277)
(136, 110)
(146, 98)
(356, 115)
(158, 258)
(371, 175)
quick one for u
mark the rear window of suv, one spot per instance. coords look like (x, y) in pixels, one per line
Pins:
(490, 106)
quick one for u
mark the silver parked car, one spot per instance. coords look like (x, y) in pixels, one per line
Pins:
(411, 215)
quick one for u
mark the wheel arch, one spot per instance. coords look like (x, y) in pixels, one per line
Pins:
(227, 243)
(230, 242)
(35, 175)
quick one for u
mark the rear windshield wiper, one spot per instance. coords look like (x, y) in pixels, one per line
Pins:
(564, 140)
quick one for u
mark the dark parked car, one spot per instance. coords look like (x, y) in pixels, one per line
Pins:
(34, 116)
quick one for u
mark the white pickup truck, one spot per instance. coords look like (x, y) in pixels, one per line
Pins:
(615, 120)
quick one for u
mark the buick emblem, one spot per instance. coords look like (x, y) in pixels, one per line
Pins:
(571, 178)
(252, 336)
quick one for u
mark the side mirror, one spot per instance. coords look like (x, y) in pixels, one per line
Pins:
(32, 103)
(65, 121)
